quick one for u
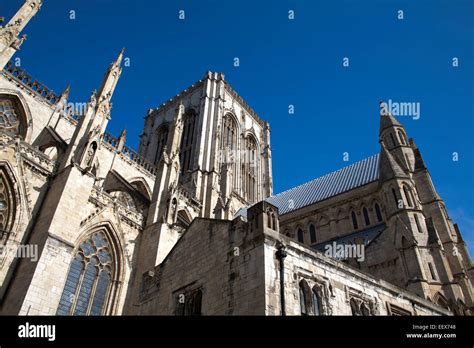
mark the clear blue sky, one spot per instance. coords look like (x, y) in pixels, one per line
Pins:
(282, 62)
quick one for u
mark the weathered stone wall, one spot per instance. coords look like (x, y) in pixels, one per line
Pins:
(222, 258)
(339, 283)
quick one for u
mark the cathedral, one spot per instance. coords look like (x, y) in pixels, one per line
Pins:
(189, 225)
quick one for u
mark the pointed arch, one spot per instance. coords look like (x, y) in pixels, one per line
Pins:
(229, 144)
(188, 135)
(161, 141)
(305, 297)
(95, 273)
(378, 212)
(9, 201)
(312, 233)
(365, 213)
(440, 300)
(142, 186)
(15, 100)
(355, 224)
(250, 167)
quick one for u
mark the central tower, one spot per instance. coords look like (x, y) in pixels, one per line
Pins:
(212, 154)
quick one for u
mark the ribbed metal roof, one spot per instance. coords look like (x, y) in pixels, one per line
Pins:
(329, 185)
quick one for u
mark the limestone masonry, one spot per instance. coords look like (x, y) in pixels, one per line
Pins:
(189, 225)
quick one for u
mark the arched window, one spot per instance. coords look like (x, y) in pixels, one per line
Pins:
(249, 170)
(316, 302)
(305, 299)
(189, 304)
(90, 278)
(378, 213)
(162, 139)
(312, 233)
(355, 307)
(300, 234)
(393, 139)
(432, 271)
(10, 117)
(418, 224)
(402, 138)
(187, 141)
(354, 221)
(7, 205)
(395, 197)
(269, 219)
(366, 216)
(364, 309)
(274, 221)
(408, 196)
(229, 144)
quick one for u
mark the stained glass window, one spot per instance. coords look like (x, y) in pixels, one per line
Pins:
(7, 206)
(8, 116)
(89, 278)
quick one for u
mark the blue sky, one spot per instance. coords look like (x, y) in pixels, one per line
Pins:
(282, 62)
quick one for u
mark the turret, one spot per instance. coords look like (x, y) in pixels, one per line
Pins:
(393, 134)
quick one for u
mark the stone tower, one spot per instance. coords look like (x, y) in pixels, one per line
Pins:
(212, 153)
(434, 257)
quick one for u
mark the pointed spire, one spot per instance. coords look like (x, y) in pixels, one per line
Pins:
(389, 167)
(118, 60)
(62, 101)
(10, 40)
(65, 93)
(386, 118)
(121, 140)
(111, 78)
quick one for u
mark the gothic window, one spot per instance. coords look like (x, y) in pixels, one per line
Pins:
(316, 302)
(189, 303)
(249, 170)
(90, 278)
(432, 271)
(395, 197)
(10, 119)
(312, 233)
(364, 309)
(305, 299)
(402, 138)
(359, 307)
(161, 142)
(393, 139)
(354, 221)
(408, 196)
(355, 307)
(300, 235)
(274, 222)
(366, 216)
(378, 213)
(187, 141)
(7, 206)
(269, 219)
(229, 144)
(418, 224)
